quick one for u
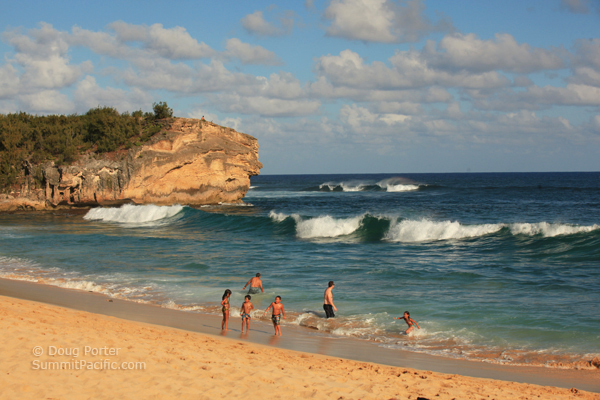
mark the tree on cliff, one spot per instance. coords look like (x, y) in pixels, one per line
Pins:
(162, 110)
(108, 129)
(26, 138)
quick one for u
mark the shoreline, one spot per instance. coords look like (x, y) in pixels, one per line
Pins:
(295, 338)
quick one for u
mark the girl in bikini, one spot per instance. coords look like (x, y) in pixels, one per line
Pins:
(225, 309)
(409, 321)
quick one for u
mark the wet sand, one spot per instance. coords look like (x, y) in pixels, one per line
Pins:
(183, 351)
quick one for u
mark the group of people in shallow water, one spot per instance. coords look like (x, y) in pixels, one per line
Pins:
(278, 312)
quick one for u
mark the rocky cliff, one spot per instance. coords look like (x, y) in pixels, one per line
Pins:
(193, 162)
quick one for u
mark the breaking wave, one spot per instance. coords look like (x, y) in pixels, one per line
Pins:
(133, 214)
(395, 229)
(425, 230)
(550, 230)
(397, 184)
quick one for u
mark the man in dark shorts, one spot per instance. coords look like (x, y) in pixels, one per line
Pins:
(255, 284)
(328, 305)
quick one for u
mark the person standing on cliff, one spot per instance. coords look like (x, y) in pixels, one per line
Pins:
(328, 305)
(255, 284)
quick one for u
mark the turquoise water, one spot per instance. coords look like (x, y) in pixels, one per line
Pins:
(498, 267)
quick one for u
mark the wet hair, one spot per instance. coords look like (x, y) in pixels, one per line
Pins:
(406, 312)
(278, 297)
(248, 297)
(258, 274)
(226, 293)
(331, 283)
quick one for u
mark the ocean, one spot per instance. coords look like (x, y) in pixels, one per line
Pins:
(497, 267)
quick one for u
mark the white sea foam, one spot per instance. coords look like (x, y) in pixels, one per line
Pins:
(398, 185)
(352, 186)
(327, 226)
(25, 270)
(550, 230)
(133, 214)
(243, 204)
(278, 217)
(400, 188)
(426, 230)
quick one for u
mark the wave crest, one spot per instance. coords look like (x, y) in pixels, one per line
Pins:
(397, 184)
(425, 230)
(133, 214)
(550, 230)
(327, 226)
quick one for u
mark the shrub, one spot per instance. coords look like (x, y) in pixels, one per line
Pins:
(162, 110)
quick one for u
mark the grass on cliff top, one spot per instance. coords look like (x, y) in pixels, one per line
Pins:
(26, 140)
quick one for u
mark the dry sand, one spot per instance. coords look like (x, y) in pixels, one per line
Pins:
(182, 364)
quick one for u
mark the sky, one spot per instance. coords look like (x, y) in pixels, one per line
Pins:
(329, 86)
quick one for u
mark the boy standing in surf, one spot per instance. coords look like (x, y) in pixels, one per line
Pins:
(409, 321)
(247, 307)
(278, 313)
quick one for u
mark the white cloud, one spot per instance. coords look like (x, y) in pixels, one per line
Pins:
(587, 53)
(42, 55)
(249, 54)
(576, 6)
(256, 24)
(89, 95)
(173, 43)
(458, 51)
(9, 81)
(46, 102)
(409, 70)
(586, 76)
(572, 94)
(384, 21)
(595, 122)
(183, 79)
(264, 106)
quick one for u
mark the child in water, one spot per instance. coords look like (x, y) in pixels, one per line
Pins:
(225, 309)
(245, 312)
(409, 321)
(278, 313)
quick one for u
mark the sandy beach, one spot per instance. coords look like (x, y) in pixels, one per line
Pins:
(55, 352)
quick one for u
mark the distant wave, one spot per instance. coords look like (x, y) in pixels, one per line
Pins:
(133, 214)
(406, 230)
(397, 184)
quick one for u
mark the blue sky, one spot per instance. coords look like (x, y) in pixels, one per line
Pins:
(330, 86)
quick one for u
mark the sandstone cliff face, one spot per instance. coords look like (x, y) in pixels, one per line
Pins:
(194, 163)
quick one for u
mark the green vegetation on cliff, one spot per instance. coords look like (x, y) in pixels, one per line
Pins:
(32, 139)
